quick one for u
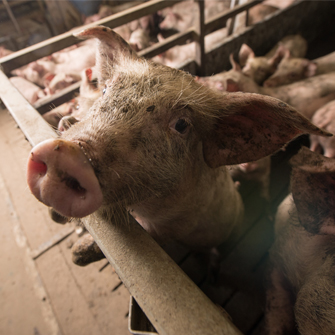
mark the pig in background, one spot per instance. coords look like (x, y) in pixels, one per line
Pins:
(307, 96)
(292, 69)
(261, 68)
(155, 146)
(74, 110)
(301, 289)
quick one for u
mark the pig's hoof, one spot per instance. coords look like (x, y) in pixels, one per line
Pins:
(55, 216)
(86, 251)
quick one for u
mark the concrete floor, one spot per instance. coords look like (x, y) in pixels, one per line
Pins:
(48, 295)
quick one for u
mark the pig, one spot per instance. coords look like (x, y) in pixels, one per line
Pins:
(30, 91)
(139, 39)
(155, 146)
(184, 15)
(301, 289)
(180, 54)
(60, 81)
(260, 68)
(259, 12)
(4, 52)
(72, 111)
(292, 69)
(325, 118)
(306, 96)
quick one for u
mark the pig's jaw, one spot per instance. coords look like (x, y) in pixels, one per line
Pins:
(60, 176)
(202, 218)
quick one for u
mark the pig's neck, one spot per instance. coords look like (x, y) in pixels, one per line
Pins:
(202, 214)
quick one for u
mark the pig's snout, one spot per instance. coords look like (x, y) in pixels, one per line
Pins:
(60, 175)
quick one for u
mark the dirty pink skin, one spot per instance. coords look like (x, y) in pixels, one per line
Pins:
(324, 118)
(293, 69)
(157, 142)
(301, 290)
(307, 96)
(60, 175)
(29, 90)
(260, 68)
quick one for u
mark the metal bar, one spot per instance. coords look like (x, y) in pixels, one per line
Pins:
(220, 20)
(62, 41)
(44, 105)
(34, 127)
(157, 283)
(170, 42)
(200, 43)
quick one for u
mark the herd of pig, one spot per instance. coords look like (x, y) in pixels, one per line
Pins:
(153, 142)
(51, 74)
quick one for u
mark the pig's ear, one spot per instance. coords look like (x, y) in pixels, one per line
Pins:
(313, 190)
(245, 53)
(111, 47)
(251, 126)
(281, 52)
(234, 64)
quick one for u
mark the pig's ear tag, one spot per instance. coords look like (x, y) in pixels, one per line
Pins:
(111, 47)
(253, 126)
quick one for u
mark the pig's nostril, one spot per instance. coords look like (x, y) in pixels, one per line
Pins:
(39, 167)
(73, 184)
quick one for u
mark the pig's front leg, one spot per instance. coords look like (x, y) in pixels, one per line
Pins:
(279, 319)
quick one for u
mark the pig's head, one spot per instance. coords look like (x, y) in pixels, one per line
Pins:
(259, 68)
(151, 134)
(290, 70)
(313, 190)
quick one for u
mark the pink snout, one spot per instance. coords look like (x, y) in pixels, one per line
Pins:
(60, 175)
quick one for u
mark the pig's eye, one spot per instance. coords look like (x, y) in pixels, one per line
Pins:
(181, 126)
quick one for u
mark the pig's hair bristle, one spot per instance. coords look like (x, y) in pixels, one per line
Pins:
(170, 87)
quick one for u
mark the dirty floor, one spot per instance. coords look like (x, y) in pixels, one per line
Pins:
(45, 293)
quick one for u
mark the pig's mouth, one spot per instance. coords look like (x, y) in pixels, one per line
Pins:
(60, 175)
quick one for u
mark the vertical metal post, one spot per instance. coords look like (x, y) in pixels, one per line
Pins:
(200, 42)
